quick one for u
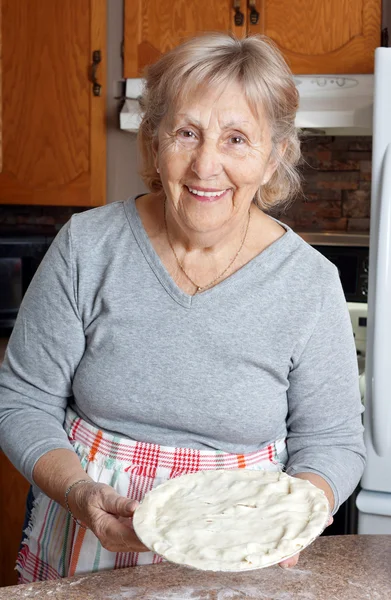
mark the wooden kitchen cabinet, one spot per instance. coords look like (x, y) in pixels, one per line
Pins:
(154, 26)
(315, 36)
(323, 36)
(53, 130)
(13, 493)
(14, 488)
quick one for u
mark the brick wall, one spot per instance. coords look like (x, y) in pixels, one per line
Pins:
(336, 192)
(336, 185)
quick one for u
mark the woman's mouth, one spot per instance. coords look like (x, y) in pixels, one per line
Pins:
(206, 194)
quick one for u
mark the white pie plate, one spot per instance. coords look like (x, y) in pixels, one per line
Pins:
(153, 498)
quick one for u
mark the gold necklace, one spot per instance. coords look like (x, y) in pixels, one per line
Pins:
(199, 288)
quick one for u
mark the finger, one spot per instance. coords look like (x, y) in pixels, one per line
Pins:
(330, 521)
(121, 536)
(118, 505)
(290, 562)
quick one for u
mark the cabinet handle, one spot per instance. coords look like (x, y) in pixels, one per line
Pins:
(254, 14)
(239, 16)
(96, 59)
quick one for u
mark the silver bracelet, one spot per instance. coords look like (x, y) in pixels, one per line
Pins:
(66, 499)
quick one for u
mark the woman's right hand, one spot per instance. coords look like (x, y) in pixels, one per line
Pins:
(107, 514)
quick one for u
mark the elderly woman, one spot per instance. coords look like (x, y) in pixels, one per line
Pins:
(184, 329)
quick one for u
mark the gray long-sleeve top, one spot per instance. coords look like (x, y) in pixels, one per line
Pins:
(267, 353)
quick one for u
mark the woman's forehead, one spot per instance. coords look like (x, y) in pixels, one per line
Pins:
(229, 102)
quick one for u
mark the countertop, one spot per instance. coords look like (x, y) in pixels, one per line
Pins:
(355, 567)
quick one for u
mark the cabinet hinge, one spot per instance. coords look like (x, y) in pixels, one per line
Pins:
(384, 38)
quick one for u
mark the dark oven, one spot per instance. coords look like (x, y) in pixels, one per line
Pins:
(350, 253)
(19, 259)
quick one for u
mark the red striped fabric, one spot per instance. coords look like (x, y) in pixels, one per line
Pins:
(150, 456)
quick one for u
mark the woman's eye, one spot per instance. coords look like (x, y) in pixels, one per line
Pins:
(237, 140)
(186, 133)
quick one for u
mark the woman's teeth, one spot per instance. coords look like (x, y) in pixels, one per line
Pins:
(208, 194)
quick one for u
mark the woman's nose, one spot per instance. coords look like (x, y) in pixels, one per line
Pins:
(206, 162)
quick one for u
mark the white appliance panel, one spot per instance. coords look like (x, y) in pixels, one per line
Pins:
(377, 418)
(375, 512)
(374, 524)
(374, 501)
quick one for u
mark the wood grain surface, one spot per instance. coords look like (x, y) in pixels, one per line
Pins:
(13, 495)
(53, 128)
(154, 26)
(13, 492)
(323, 36)
(315, 36)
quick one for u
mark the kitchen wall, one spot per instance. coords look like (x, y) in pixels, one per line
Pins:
(122, 177)
(336, 171)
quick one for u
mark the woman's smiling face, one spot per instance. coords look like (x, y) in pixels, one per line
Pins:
(213, 154)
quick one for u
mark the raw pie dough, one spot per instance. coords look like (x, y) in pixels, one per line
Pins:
(231, 520)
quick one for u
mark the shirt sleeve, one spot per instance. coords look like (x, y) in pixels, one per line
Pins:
(325, 432)
(44, 350)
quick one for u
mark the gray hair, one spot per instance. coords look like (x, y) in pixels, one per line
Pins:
(214, 59)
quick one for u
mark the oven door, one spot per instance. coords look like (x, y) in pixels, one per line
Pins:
(19, 260)
(352, 265)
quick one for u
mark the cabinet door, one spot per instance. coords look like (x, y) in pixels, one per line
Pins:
(322, 36)
(13, 496)
(52, 126)
(153, 27)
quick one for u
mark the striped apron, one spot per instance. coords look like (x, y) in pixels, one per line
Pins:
(55, 546)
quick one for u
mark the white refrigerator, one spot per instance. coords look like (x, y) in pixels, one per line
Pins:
(374, 500)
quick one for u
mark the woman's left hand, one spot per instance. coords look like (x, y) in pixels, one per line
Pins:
(321, 483)
(293, 560)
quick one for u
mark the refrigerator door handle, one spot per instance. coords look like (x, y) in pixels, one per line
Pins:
(381, 378)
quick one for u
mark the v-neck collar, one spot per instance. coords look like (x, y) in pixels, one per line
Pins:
(164, 277)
